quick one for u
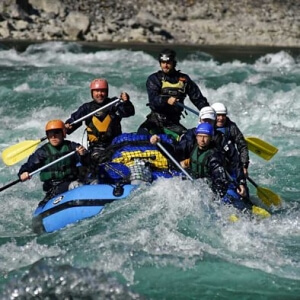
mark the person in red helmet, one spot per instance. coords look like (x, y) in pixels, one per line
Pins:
(63, 175)
(105, 124)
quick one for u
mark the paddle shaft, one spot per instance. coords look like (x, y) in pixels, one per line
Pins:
(92, 113)
(175, 161)
(187, 108)
(251, 181)
(37, 171)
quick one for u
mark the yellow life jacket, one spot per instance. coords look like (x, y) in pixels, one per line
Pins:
(174, 89)
(96, 129)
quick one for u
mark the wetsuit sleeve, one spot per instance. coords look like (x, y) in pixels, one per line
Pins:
(85, 159)
(123, 109)
(195, 95)
(217, 173)
(239, 140)
(34, 162)
(82, 111)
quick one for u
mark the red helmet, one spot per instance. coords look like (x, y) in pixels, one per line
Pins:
(56, 124)
(98, 84)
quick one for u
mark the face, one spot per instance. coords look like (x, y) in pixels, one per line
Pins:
(203, 140)
(55, 137)
(99, 95)
(167, 66)
(209, 121)
(220, 121)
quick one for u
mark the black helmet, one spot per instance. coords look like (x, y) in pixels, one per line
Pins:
(167, 55)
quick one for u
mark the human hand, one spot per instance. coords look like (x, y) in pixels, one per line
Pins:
(124, 96)
(154, 139)
(81, 150)
(172, 100)
(68, 126)
(24, 176)
(241, 190)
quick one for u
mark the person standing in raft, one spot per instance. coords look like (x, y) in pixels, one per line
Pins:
(105, 125)
(205, 160)
(165, 88)
(63, 175)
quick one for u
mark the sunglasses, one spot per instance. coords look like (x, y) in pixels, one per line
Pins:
(53, 132)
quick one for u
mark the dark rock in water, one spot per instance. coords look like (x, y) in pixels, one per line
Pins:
(46, 281)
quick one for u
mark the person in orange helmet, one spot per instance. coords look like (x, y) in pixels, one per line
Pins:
(105, 124)
(63, 175)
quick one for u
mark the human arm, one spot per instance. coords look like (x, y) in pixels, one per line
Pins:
(124, 108)
(239, 140)
(195, 95)
(34, 162)
(82, 111)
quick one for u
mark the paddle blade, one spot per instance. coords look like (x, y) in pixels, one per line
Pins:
(261, 148)
(18, 152)
(268, 197)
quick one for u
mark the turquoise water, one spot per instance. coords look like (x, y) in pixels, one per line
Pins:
(168, 241)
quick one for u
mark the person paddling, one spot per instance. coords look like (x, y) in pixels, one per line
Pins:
(232, 133)
(205, 160)
(232, 163)
(105, 125)
(63, 175)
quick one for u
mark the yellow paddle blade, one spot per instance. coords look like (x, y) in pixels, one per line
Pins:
(18, 152)
(258, 211)
(233, 218)
(268, 197)
(261, 148)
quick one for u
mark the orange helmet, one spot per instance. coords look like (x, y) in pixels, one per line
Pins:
(56, 124)
(98, 84)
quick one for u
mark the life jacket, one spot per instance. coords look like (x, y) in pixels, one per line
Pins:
(63, 169)
(137, 146)
(102, 128)
(174, 89)
(198, 162)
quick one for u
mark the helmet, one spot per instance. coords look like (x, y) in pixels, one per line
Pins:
(56, 124)
(98, 84)
(167, 55)
(219, 108)
(204, 128)
(207, 112)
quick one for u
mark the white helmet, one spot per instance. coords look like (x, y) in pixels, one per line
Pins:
(207, 112)
(219, 108)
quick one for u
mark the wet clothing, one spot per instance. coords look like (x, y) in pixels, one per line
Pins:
(160, 88)
(232, 163)
(232, 133)
(209, 163)
(56, 178)
(105, 124)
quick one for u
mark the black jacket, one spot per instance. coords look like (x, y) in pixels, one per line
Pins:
(158, 103)
(117, 111)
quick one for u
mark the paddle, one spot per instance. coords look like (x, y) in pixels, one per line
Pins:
(255, 145)
(175, 161)
(37, 171)
(18, 152)
(267, 196)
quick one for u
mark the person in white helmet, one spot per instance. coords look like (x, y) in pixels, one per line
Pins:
(232, 133)
(231, 156)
